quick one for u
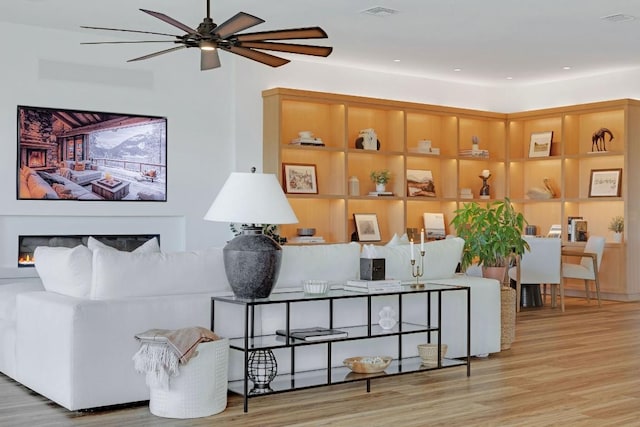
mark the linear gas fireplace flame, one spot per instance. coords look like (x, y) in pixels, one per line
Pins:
(124, 242)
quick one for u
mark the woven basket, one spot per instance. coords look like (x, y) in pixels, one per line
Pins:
(429, 352)
(199, 389)
(507, 317)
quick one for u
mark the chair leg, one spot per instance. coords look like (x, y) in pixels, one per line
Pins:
(586, 290)
(562, 294)
(597, 280)
(544, 293)
(554, 295)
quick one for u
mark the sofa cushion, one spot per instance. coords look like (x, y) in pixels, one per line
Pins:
(119, 274)
(440, 260)
(66, 271)
(39, 189)
(335, 263)
(150, 245)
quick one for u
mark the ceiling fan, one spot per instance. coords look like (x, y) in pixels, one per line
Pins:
(209, 37)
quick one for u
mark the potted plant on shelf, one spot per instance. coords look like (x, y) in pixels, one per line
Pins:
(380, 178)
(617, 226)
(492, 235)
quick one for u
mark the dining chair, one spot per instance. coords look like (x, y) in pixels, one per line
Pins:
(539, 265)
(589, 266)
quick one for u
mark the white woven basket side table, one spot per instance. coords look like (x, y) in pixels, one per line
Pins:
(199, 389)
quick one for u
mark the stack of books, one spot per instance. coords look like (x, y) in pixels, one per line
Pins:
(306, 239)
(466, 193)
(484, 154)
(316, 333)
(373, 286)
(307, 141)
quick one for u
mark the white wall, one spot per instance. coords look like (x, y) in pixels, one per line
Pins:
(215, 118)
(51, 69)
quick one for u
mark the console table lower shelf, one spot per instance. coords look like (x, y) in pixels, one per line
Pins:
(339, 375)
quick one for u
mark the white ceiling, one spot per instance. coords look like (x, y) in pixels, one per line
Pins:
(529, 41)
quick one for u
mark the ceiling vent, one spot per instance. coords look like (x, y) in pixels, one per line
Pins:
(618, 17)
(380, 11)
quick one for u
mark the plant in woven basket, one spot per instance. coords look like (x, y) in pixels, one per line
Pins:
(492, 234)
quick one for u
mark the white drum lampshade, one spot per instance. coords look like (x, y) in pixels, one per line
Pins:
(252, 260)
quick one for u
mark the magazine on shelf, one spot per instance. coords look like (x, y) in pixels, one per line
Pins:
(373, 286)
(316, 333)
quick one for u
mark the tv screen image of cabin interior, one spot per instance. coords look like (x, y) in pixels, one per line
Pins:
(90, 156)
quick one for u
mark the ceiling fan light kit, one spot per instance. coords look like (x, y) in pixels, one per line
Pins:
(209, 38)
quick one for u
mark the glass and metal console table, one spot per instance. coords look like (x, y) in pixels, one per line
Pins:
(296, 380)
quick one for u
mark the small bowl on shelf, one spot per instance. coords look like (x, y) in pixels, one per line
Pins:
(306, 231)
(315, 287)
(368, 364)
(429, 352)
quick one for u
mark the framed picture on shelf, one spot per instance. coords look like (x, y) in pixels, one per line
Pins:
(367, 227)
(605, 183)
(420, 183)
(540, 144)
(299, 178)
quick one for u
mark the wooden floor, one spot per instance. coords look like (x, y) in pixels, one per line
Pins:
(580, 368)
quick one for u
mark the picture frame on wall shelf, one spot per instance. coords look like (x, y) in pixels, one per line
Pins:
(540, 144)
(420, 183)
(299, 178)
(367, 227)
(605, 183)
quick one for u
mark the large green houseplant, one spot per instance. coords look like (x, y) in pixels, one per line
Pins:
(492, 233)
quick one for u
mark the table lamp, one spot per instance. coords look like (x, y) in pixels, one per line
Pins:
(252, 260)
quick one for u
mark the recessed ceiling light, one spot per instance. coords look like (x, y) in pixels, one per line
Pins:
(618, 17)
(380, 11)
(457, 70)
(396, 60)
(566, 67)
(509, 78)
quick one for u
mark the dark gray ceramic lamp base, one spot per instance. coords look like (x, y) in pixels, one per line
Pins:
(252, 263)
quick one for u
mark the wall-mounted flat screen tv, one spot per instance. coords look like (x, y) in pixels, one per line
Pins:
(89, 155)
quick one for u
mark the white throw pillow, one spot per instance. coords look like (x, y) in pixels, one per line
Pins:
(66, 271)
(440, 260)
(335, 263)
(150, 245)
(119, 274)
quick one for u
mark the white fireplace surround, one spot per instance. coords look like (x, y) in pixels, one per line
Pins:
(170, 228)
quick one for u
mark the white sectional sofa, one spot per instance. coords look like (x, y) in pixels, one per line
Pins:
(71, 337)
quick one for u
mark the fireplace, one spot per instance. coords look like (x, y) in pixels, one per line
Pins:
(123, 242)
(36, 158)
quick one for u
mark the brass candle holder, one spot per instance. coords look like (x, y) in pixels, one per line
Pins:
(417, 271)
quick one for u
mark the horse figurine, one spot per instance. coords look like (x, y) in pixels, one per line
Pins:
(598, 141)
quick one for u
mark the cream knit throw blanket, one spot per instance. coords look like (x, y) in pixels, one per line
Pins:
(162, 350)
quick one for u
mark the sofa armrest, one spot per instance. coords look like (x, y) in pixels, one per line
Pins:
(77, 352)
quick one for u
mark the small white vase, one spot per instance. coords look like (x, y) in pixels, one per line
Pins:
(617, 237)
(381, 187)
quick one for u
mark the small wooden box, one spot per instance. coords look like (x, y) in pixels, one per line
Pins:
(372, 269)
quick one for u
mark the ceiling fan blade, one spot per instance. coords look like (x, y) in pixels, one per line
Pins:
(265, 58)
(240, 21)
(291, 48)
(209, 59)
(125, 42)
(162, 52)
(170, 20)
(128, 31)
(293, 33)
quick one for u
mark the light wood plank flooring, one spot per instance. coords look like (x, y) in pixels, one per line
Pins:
(580, 368)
